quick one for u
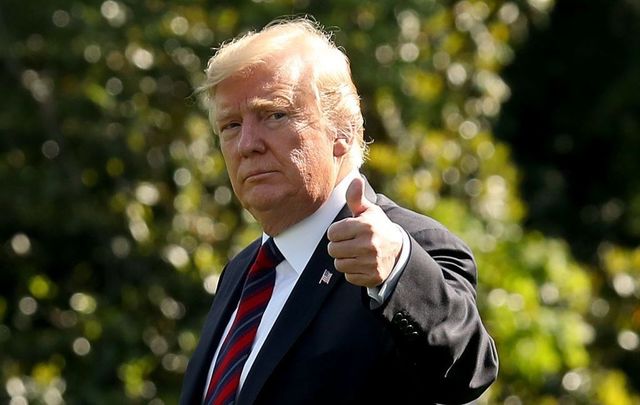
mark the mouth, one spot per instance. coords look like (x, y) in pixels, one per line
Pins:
(258, 175)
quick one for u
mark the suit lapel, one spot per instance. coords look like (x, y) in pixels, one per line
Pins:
(226, 299)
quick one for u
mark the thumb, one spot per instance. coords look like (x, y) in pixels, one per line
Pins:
(356, 201)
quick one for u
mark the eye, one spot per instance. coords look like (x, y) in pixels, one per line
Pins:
(274, 119)
(277, 116)
(229, 126)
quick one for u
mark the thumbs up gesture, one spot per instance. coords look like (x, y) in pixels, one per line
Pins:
(366, 246)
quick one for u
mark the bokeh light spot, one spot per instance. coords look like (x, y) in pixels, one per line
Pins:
(21, 244)
(628, 340)
(50, 149)
(28, 305)
(83, 303)
(81, 346)
(60, 18)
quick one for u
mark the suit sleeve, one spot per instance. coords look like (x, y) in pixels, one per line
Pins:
(434, 319)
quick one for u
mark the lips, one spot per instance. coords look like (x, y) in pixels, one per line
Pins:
(257, 175)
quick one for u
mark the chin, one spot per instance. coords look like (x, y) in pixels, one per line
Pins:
(265, 200)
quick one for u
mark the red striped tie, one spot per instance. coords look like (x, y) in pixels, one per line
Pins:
(256, 292)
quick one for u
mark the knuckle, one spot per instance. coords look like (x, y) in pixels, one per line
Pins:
(331, 232)
(369, 250)
(331, 249)
(368, 228)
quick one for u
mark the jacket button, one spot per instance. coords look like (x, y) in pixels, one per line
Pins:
(399, 318)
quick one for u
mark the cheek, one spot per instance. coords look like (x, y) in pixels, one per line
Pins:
(300, 160)
(231, 163)
(312, 162)
(229, 152)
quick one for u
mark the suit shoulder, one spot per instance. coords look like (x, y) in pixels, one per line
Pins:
(418, 225)
(410, 220)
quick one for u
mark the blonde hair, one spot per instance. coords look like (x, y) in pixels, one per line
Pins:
(335, 92)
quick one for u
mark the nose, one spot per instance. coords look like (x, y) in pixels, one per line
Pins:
(250, 138)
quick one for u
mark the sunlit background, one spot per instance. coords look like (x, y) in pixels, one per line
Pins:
(515, 123)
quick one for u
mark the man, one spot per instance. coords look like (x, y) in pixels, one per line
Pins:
(359, 300)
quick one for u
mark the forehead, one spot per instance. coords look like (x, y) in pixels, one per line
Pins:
(262, 85)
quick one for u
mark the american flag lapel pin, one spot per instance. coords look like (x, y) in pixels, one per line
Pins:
(326, 277)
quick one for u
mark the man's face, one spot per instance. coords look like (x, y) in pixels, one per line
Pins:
(279, 158)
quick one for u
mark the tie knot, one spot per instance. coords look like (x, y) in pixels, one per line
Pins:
(269, 256)
(272, 252)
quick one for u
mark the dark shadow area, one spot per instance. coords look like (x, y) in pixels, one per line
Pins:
(574, 123)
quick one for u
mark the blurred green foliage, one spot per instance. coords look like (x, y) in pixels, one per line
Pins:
(116, 215)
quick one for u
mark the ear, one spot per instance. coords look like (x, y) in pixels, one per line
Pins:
(342, 145)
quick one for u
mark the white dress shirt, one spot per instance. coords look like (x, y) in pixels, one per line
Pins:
(297, 245)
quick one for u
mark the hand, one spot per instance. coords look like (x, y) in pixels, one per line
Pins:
(366, 246)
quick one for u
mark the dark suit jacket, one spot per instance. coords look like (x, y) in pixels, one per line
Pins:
(426, 344)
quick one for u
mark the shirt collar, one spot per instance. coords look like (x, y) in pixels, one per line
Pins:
(298, 242)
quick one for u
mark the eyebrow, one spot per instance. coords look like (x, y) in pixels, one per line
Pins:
(280, 99)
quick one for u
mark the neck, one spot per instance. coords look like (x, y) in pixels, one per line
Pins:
(344, 170)
(275, 222)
